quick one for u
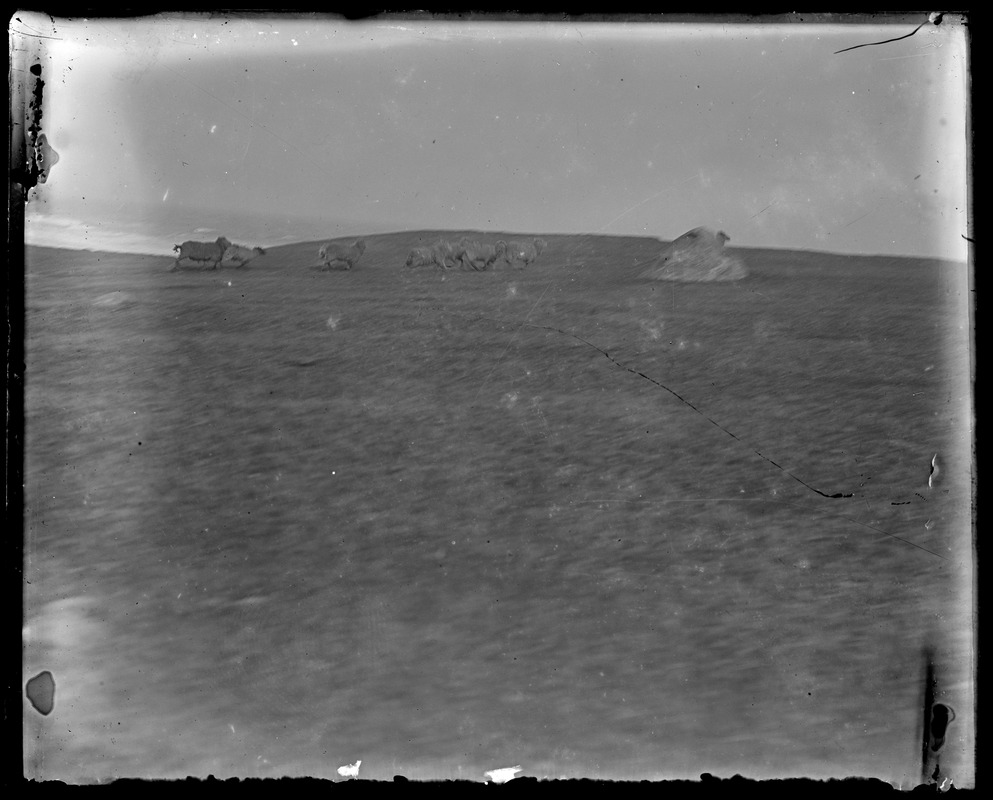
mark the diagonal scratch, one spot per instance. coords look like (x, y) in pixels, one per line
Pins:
(686, 402)
(887, 41)
(753, 216)
(729, 433)
(870, 527)
(866, 214)
(652, 197)
(37, 35)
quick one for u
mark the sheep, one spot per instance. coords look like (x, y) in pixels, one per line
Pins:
(525, 252)
(332, 252)
(440, 254)
(420, 257)
(241, 255)
(445, 251)
(207, 252)
(481, 257)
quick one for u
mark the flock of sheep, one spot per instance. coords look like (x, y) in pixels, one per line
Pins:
(698, 256)
(475, 256)
(469, 254)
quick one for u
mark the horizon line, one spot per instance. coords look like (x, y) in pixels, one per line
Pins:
(600, 235)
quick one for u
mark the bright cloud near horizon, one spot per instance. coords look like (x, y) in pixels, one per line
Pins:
(629, 129)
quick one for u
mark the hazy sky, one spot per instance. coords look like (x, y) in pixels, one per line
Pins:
(636, 129)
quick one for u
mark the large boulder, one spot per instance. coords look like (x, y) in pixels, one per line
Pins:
(695, 257)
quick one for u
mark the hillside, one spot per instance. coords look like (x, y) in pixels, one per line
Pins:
(280, 519)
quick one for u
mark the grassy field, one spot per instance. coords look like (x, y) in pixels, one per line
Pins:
(280, 519)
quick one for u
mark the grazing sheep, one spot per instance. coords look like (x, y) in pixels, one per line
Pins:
(525, 252)
(481, 257)
(332, 252)
(241, 255)
(206, 252)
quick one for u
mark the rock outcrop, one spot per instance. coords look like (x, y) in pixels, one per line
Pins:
(697, 256)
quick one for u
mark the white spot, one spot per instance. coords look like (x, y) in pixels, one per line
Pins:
(229, 283)
(503, 775)
(350, 770)
(213, 128)
(510, 399)
(232, 728)
(332, 322)
(295, 42)
(165, 196)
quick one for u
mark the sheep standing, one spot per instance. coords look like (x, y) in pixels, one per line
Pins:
(204, 252)
(333, 252)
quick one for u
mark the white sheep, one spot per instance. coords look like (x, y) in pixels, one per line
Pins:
(241, 255)
(332, 252)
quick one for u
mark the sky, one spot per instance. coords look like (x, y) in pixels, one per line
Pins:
(281, 129)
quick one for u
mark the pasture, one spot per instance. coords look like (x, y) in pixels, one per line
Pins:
(279, 519)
